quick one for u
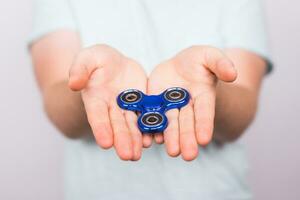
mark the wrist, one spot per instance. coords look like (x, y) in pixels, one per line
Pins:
(65, 109)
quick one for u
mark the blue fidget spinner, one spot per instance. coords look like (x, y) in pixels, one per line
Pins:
(153, 107)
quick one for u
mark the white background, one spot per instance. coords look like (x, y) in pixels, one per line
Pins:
(31, 150)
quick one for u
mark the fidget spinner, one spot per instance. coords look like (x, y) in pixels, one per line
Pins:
(152, 108)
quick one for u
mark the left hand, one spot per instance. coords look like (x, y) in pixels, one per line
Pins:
(198, 70)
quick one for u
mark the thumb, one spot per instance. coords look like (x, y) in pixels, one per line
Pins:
(89, 60)
(217, 62)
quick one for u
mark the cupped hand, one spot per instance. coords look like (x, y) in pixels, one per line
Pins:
(101, 73)
(196, 69)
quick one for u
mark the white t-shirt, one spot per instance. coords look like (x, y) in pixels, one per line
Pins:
(151, 31)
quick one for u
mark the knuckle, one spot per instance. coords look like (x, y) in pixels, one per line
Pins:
(186, 131)
(171, 130)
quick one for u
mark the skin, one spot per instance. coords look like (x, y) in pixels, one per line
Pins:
(206, 73)
(87, 81)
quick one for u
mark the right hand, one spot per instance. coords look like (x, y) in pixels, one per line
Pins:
(101, 72)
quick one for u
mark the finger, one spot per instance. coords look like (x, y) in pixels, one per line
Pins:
(136, 135)
(87, 61)
(188, 142)
(171, 133)
(217, 62)
(159, 138)
(204, 109)
(98, 117)
(122, 137)
(211, 58)
(147, 140)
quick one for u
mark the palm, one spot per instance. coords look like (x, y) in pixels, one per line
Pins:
(196, 79)
(107, 82)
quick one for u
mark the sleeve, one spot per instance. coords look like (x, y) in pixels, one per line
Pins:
(244, 27)
(49, 16)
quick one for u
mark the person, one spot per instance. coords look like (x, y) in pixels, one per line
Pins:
(86, 52)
